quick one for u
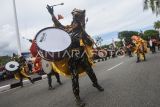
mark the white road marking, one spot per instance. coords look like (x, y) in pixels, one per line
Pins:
(115, 66)
(44, 77)
(121, 56)
(34, 85)
(6, 87)
(9, 90)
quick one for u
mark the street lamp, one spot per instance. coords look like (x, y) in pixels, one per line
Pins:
(17, 29)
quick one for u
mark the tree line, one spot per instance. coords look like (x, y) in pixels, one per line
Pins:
(126, 36)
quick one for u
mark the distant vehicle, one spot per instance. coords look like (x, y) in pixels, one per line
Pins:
(2, 73)
(27, 55)
(2, 68)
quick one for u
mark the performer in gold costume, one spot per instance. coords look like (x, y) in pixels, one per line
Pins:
(21, 73)
(140, 47)
(81, 42)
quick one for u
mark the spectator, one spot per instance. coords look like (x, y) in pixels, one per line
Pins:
(158, 44)
(129, 50)
(153, 45)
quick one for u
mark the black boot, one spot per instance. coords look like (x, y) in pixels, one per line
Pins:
(138, 57)
(50, 88)
(144, 57)
(79, 102)
(96, 85)
(21, 84)
(32, 81)
(21, 81)
(138, 60)
(60, 83)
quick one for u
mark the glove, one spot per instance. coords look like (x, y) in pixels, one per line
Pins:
(50, 9)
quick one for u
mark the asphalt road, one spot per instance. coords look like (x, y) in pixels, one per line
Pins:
(126, 84)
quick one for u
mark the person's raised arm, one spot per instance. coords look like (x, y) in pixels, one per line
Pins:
(54, 19)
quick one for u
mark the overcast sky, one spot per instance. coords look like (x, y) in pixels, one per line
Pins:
(106, 18)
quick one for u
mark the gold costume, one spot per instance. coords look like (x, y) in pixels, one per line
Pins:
(61, 66)
(21, 72)
(140, 47)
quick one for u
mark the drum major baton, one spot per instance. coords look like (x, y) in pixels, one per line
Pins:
(58, 4)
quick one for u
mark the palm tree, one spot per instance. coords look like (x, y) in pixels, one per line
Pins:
(154, 5)
(157, 25)
(98, 40)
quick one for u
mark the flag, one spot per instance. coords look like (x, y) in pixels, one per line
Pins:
(113, 42)
(60, 17)
(33, 49)
(123, 41)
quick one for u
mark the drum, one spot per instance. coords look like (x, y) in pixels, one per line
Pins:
(46, 66)
(52, 43)
(12, 66)
(102, 53)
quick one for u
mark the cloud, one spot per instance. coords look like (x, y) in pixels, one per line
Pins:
(105, 16)
(7, 39)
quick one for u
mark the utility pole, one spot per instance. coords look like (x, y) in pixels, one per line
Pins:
(17, 28)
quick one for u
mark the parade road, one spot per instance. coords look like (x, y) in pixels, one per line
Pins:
(126, 84)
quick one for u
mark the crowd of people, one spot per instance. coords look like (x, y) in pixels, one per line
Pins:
(140, 47)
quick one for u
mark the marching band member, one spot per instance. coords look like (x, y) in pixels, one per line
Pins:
(21, 74)
(49, 77)
(80, 40)
(38, 68)
(141, 47)
(129, 50)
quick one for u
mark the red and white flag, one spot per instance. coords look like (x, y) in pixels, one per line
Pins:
(60, 17)
(33, 49)
(113, 42)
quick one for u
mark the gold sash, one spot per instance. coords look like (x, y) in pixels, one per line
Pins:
(61, 66)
